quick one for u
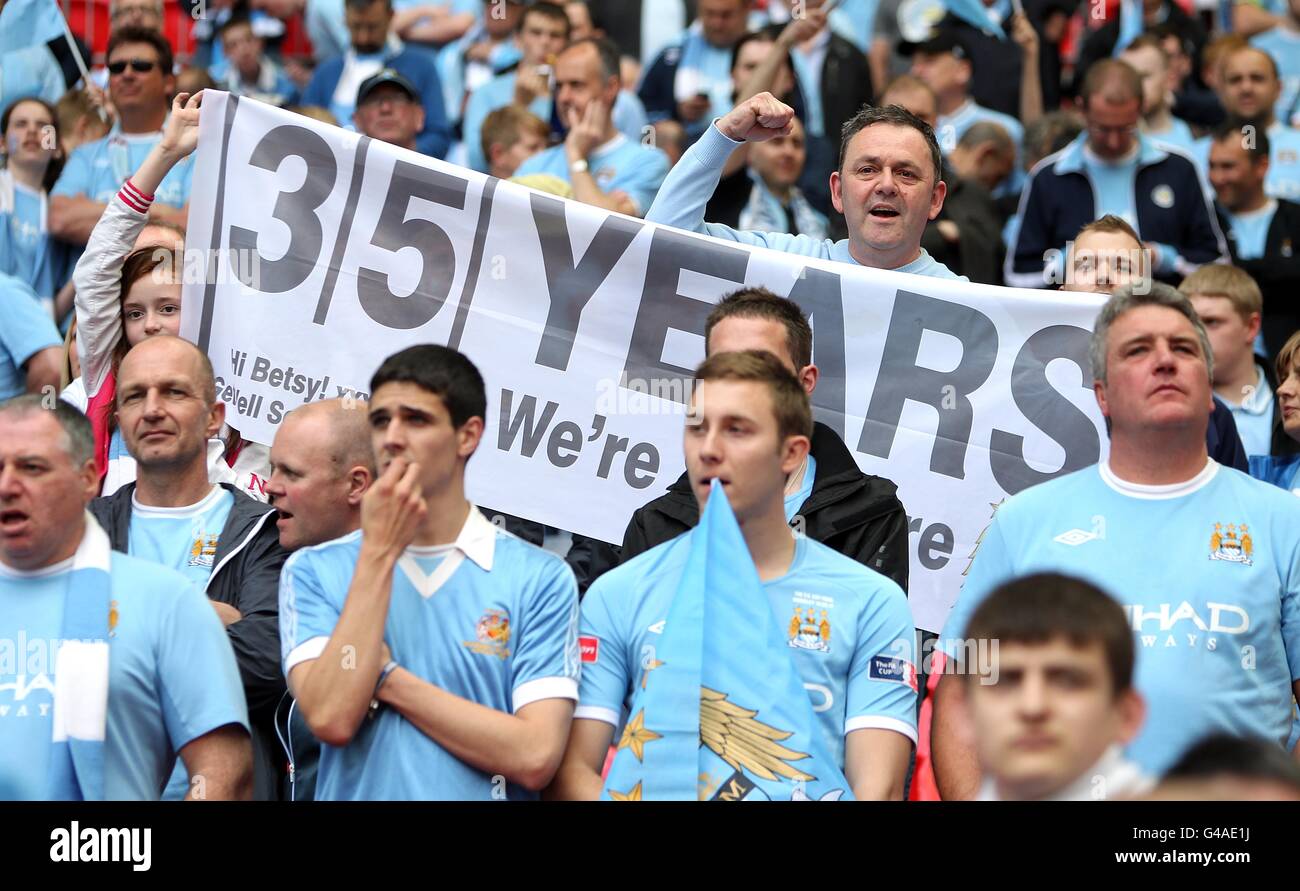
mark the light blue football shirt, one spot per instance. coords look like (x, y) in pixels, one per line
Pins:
(620, 163)
(172, 674)
(495, 623)
(1208, 572)
(182, 538)
(26, 328)
(1113, 185)
(27, 234)
(1178, 136)
(1254, 418)
(1250, 230)
(97, 169)
(860, 674)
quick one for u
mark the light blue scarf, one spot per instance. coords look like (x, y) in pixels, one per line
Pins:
(721, 697)
(76, 771)
(764, 213)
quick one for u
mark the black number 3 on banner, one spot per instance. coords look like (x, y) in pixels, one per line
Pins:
(297, 210)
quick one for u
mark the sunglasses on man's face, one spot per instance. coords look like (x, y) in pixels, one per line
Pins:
(139, 66)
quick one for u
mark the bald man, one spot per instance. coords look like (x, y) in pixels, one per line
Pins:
(215, 535)
(321, 464)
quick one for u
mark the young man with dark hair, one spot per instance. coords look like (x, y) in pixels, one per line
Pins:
(127, 666)
(433, 654)
(1112, 168)
(1048, 684)
(887, 183)
(140, 84)
(1216, 607)
(749, 431)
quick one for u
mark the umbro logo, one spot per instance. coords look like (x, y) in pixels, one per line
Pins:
(1075, 537)
(658, 627)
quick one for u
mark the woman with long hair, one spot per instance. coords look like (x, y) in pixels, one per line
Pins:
(33, 157)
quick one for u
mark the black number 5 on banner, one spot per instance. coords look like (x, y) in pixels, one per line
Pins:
(297, 210)
(394, 232)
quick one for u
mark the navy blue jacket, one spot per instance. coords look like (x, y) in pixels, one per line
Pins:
(414, 63)
(1059, 200)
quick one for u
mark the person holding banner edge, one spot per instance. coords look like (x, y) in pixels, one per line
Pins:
(888, 186)
(749, 431)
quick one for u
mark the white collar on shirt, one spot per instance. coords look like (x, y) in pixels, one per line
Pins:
(477, 541)
(1155, 493)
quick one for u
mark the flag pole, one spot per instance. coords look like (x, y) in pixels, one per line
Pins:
(76, 54)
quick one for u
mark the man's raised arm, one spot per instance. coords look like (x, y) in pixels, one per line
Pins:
(692, 181)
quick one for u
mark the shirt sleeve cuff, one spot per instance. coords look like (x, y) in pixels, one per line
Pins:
(134, 198)
(544, 688)
(880, 722)
(597, 713)
(714, 147)
(305, 652)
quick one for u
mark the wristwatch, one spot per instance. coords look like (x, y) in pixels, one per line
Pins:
(578, 166)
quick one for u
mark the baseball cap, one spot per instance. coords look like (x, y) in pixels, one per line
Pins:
(943, 41)
(386, 76)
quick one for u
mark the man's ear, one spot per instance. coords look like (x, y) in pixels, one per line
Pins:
(793, 451)
(1132, 714)
(1099, 390)
(837, 200)
(359, 480)
(419, 118)
(936, 198)
(468, 436)
(88, 476)
(808, 377)
(216, 417)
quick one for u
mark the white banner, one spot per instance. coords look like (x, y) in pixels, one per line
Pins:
(326, 251)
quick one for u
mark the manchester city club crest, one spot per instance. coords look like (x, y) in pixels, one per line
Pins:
(1232, 543)
(203, 550)
(493, 633)
(810, 631)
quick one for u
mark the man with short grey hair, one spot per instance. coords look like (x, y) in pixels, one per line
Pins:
(126, 665)
(1215, 609)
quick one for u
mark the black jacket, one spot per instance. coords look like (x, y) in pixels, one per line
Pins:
(245, 575)
(1060, 199)
(854, 513)
(979, 252)
(1277, 273)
